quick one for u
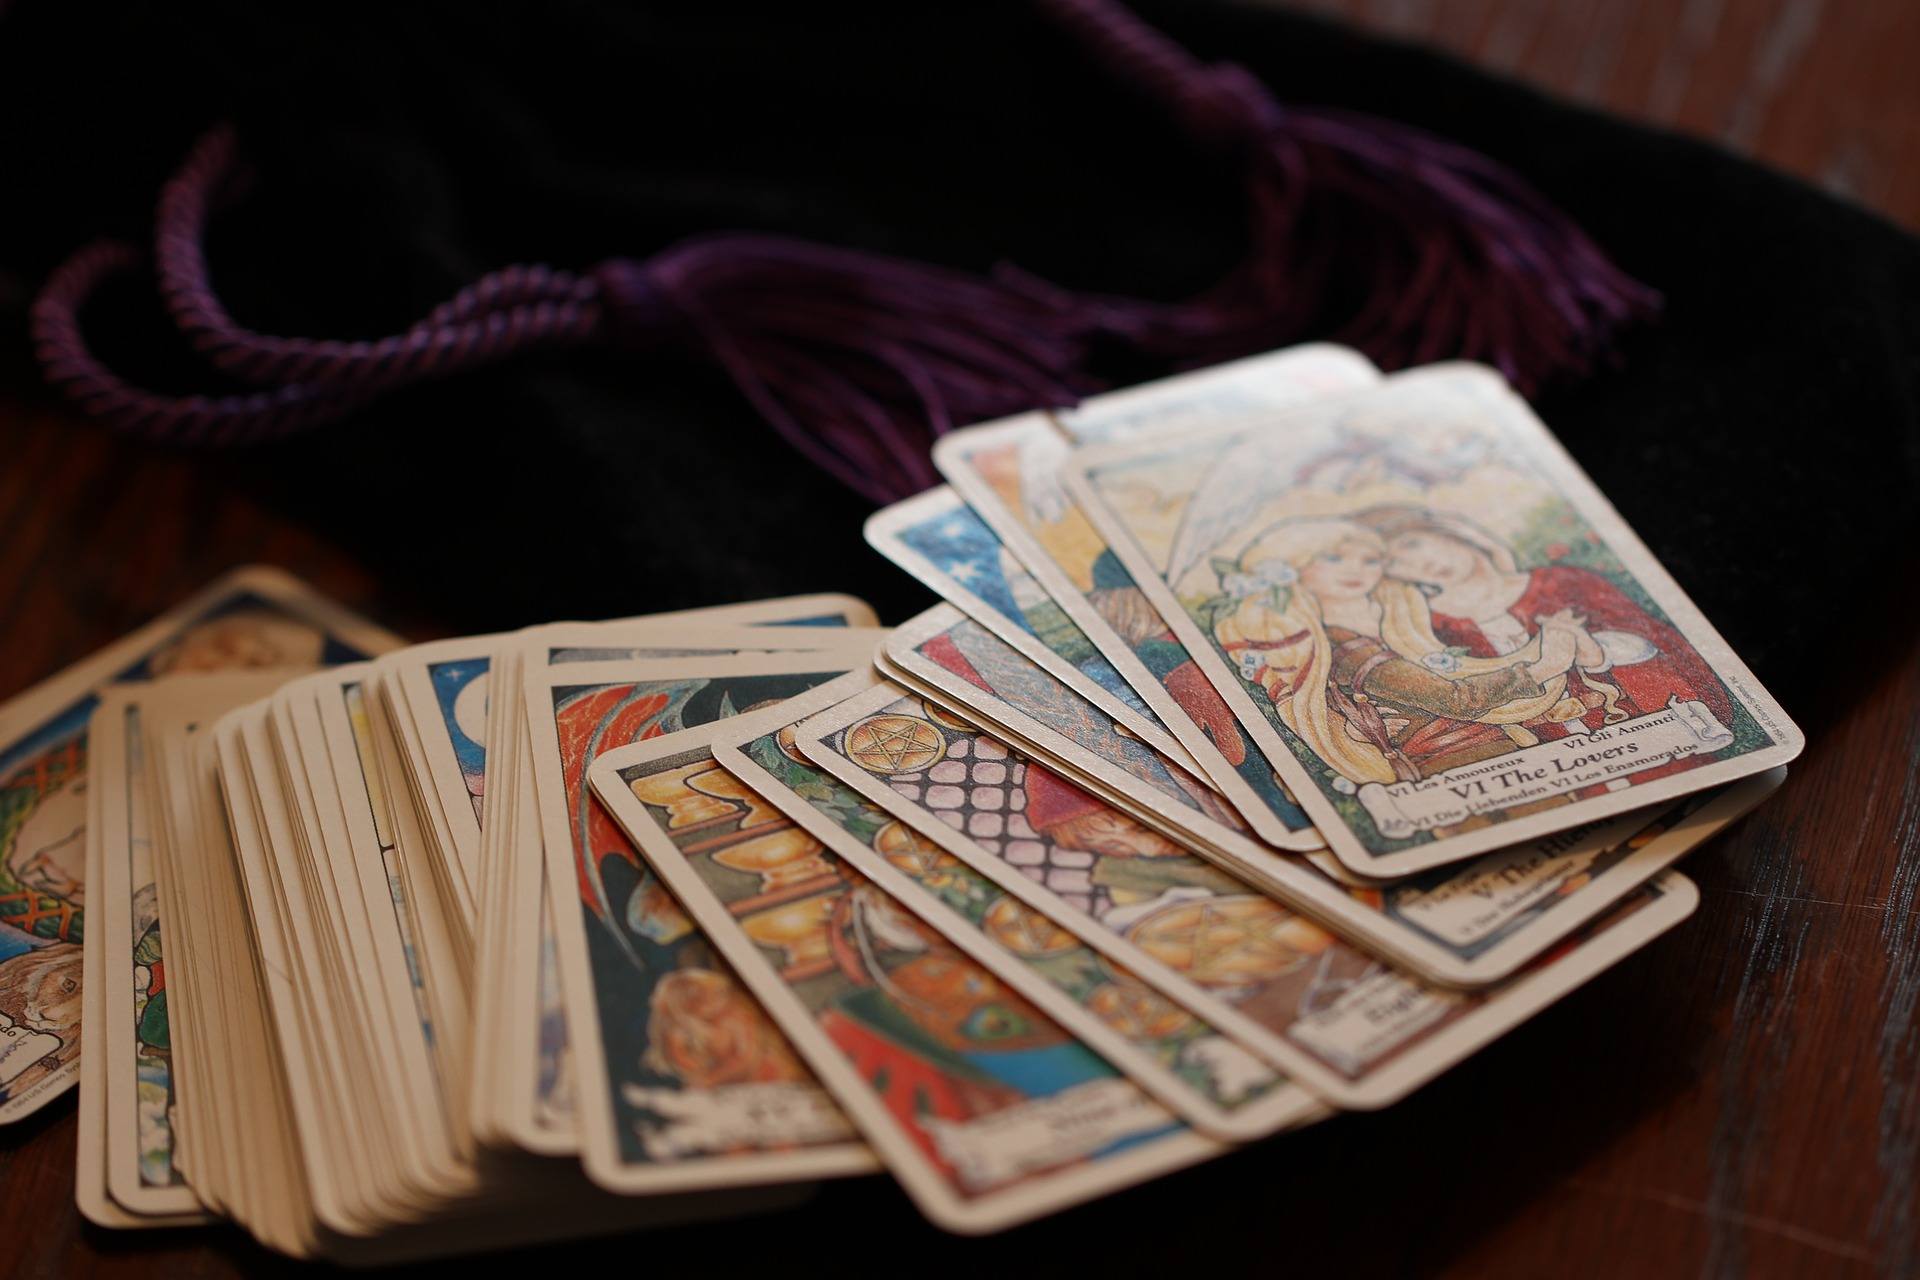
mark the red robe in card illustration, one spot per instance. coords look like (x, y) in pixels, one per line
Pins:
(1665, 667)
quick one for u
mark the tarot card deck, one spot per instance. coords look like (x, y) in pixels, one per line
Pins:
(1288, 734)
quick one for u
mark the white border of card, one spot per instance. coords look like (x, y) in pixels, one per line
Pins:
(241, 736)
(1249, 1114)
(1489, 1013)
(1027, 1195)
(1256, 384)
(596, 1117)
(1508, 906)
(1491, 408)
(121, 806)
(883, 535)
(318, 871)
(510, 993)
(94, 1193)
(1158, 410)
(504, 1111)
(513, 1107)
(509, 1107)
(411, 669)
(337, 715)
(258, 1179)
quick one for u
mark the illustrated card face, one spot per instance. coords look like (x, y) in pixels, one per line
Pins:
(940, 540)
(1466, 924)
(460, 696)
(1190, 1067)
(987, 1110)
(252, 618)
(665, 1102)
(1430, 619)
(539, 1090)
(1356, 1030)
(1008, 472)
(444, 687)
(447, 688)
(1205, 397)
(964, 663)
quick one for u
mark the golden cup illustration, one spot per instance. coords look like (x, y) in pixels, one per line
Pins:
(797, 929)
(780, 858)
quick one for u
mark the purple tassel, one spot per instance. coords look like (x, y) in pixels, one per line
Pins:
(857, 360)
(860, 361)
(1463, 258)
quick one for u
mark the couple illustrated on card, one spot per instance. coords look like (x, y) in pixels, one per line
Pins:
(1399, 642)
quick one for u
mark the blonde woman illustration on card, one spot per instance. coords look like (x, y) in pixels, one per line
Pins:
(1350, 662)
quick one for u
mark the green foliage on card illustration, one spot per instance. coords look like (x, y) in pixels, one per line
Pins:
(1748, 735)
(843, 806)
(1058, 632)
(1553, 533)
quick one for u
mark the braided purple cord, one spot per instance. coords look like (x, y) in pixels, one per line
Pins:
(71, 365)
(1221, 103)
(856, 359)
(860, 361)
(517, 310)
(512, 287)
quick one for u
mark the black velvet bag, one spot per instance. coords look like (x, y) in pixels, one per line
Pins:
(1760, 433)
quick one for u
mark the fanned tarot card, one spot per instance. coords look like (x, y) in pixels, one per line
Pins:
(1430, 619)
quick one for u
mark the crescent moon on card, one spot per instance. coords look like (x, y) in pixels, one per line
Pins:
(470, 709)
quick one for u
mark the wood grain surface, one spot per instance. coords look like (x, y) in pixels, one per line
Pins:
(1741, 1099)
(1821, 88)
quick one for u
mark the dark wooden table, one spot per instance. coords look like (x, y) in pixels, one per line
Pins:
(1742, 1098)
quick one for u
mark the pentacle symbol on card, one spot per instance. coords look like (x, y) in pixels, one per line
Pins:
(1227, 942)
(890, 744)
(908, 850)
(1024, 931)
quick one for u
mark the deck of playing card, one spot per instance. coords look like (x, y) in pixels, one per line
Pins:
(1288, 734)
